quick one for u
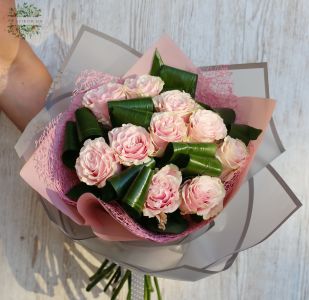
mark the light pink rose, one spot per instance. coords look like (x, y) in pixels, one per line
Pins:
(232, 153)
(206, 127)
(176, 101)
(163, 195)
(203, 196)
(143, 86)
(131, 143)
(96, 162)
(96, 99)
(167, 127)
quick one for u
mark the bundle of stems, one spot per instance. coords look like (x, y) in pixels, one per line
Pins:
(115, 278)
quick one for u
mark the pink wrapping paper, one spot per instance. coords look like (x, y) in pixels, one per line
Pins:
(92, 212)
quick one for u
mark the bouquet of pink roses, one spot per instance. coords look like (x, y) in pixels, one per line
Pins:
(150, 167)
(161, 162)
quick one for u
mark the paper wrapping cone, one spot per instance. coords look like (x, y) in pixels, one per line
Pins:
(247, 220)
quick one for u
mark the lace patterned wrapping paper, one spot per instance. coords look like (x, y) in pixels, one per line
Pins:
(246, 220)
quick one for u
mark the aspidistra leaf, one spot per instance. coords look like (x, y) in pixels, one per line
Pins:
(134, 199)
(122, 181)
(177, 79)
(81, 188)
(174, 150)
(157, 62)
(115, 187)
(121, 115)
(71, 146)
(144, 104)
(244, 132)
(198, 165)
(87, 125)
(227, 114)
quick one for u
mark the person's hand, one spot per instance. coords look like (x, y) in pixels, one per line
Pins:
(24, 80)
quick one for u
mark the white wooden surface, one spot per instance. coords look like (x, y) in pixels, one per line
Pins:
(38, 262)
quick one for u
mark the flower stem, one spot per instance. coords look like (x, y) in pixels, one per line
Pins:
(119, 287)
(129, 287)
(112, 279)
(99, 277)
(157, 288)
(149, 284)
(147, 292)
(99, 270)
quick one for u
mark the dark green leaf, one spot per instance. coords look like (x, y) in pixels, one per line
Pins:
(202, 165)
(157, 62)
(244, 133)
(81, 188)
(115, 186)
(122, 181)
(120, 116)
(175, 152)
(88, 126)
(105, 129)
(227, 114)
(144, 104)
(196, 218)
(175, 224)
(71, 147)
(134, 199)
(176, 79)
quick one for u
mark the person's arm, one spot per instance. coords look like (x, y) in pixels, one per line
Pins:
(24, 80)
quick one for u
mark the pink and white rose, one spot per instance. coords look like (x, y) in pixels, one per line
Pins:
(96, 99)
(131, 143)
(143, 86)
(175, 101)
(232, 153)
(203, 196)
(163, 195)
(96, 162)
(206, 126)
(167, 127)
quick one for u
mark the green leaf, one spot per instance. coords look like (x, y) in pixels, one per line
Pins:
(134, 199)
(193, 159)
(88, 126)
(120, 116)
(244, 133)
(175, 152)
(202, 165)
(227, 114)
(71, 147)
(105, 129)
(144, 104)
(175, 224)
(122, 181)
(157, 62)
(81, 188)
(196, 218)
(176, 79)
(115, 186)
